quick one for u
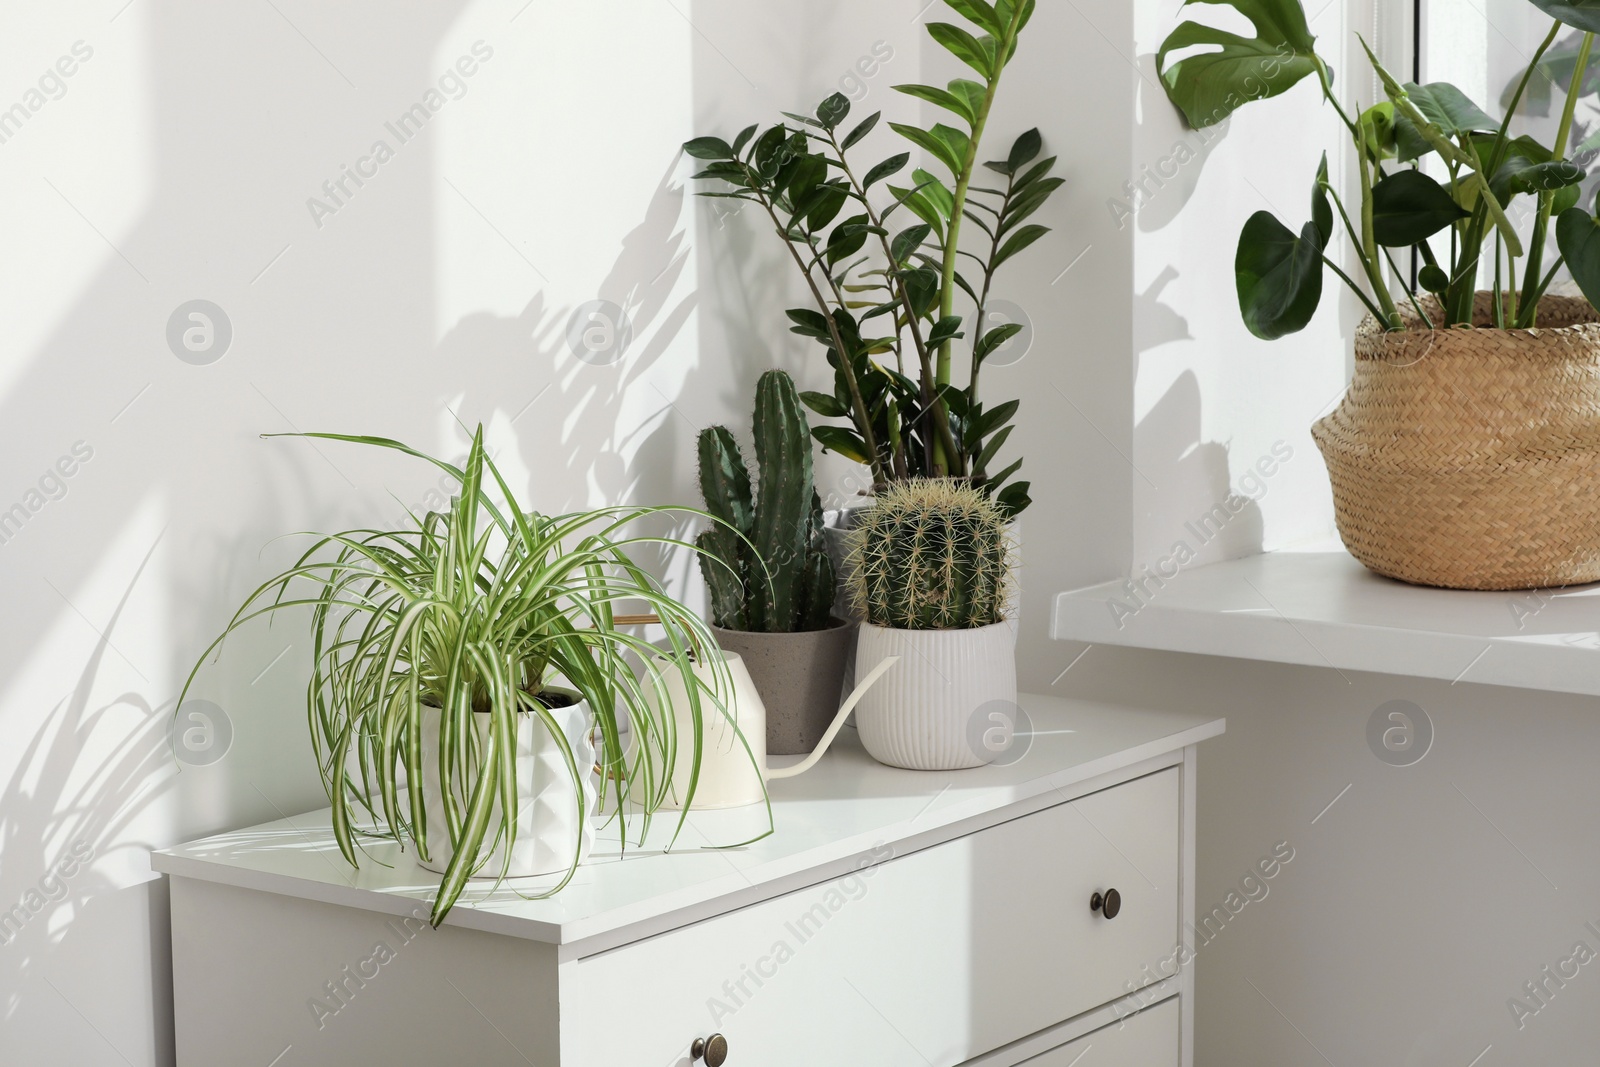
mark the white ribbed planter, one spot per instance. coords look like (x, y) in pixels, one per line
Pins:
(925, 713)
(550, 823)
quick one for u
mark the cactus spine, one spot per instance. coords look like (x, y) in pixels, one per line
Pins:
(776, 575)
(932, 555)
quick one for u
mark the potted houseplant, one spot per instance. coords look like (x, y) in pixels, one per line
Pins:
(768, 571)
(1466, 452)
(460, 669)
(888, 300)
(933, 575)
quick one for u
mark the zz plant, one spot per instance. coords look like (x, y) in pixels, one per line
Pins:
(884, 289)
(473, 612)
(765, 563)
(1398, 205)
(933, 555)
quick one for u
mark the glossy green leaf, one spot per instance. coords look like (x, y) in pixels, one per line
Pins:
(941, 98)
(809, 323)
(1377, 128)
(980, 12)
(1209, 86)
(825, 404)
(847, 443)
(1321, 209)
(1018, 240)
(1031, 199)
(944, 143)
(943, 330)
(1014, 499)
(847, 238)
(1409, 207)
(975, 53)
(893, 165)
(994, 338)
(1278, 275)
(833, 110)
(937, 193)
(862, 128)
(1546, 177)
(908, 241)
(1579, 14)
(1024, 150)
(919, 206)
(1447, 108)
(1578, 237)
(709, 148)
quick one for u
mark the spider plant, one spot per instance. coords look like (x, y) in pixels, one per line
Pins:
(474, 611)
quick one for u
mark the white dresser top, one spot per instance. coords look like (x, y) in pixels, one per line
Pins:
(828, 820)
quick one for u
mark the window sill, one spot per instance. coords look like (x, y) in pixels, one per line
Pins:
(1321, 608)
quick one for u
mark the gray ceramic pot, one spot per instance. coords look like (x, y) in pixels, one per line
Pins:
(835, 533)
(800, 677)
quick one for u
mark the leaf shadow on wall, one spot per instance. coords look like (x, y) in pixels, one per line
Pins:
(1190, 481)
(1169, 169)
(61, 824)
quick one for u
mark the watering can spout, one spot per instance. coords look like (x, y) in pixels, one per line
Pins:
(838, 721)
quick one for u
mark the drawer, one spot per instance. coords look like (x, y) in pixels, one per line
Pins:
(925, 959)
(1148, 1039)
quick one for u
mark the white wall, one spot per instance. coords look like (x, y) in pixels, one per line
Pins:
(178, 165)
(1425, 897)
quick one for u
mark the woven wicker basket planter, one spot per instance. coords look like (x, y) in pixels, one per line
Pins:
(1470, 459)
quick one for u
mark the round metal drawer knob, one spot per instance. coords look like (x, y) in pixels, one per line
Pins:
(713, 1049)
(1109, 905)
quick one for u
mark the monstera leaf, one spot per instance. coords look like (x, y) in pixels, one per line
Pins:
(1578, 237)
(1579, 14)
(1446, 107)
(1209, 86)
(1409, 207)
(1279, 274)
(1528, 167)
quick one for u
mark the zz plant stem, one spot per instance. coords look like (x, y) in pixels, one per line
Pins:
(952, 246)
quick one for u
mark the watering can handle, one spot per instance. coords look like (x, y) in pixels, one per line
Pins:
(838, 721)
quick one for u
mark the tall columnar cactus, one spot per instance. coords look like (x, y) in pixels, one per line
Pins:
(932, 555)
(777, 576)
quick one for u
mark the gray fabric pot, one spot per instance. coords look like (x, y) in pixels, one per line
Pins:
(800, 677)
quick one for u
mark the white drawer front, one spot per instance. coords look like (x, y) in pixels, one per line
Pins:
(930, 958)
(1149, 1039)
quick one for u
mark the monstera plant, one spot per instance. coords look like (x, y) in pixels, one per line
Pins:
(1452, 221)
(885, 289)
(1466, 451)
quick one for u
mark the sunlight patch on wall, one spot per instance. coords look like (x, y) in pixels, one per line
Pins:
(562, 235)
(75, 106)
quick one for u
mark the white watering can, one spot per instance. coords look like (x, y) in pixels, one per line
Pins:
(733, 747)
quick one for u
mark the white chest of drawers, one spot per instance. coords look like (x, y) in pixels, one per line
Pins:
(895, 917)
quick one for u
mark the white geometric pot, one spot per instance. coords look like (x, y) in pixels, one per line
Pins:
(551, 824)
(925, 713)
